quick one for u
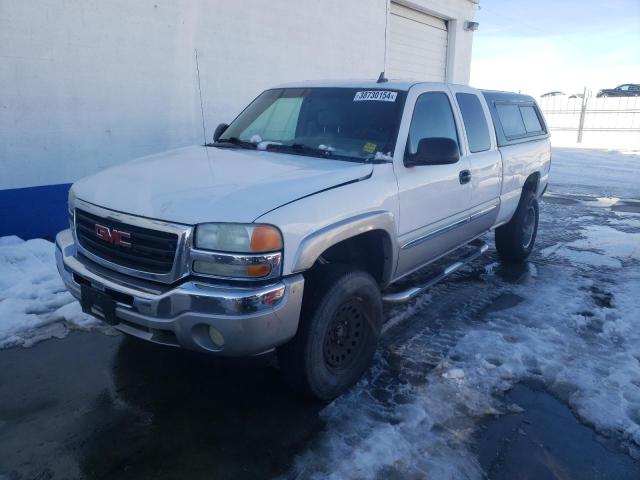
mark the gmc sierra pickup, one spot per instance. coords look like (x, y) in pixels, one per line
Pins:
(287, 231)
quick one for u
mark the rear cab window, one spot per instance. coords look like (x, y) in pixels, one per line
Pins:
(475, 122)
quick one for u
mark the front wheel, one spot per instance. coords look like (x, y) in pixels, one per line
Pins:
(514, 240)
(338, 332)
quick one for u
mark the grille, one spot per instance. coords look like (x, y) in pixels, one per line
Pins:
(151, 250)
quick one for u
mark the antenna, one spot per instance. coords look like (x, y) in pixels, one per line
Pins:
(382, 78)
(204, 131)
(387, 10)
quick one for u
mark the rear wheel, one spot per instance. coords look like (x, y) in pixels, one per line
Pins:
(338, 332)
(514, 240)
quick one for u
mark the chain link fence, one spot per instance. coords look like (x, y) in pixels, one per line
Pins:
(608, 122)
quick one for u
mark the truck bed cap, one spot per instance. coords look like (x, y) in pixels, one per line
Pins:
(496, 95)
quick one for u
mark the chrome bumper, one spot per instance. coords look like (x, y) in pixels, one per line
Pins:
(250, 320)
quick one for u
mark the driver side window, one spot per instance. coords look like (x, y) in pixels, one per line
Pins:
(432, 118)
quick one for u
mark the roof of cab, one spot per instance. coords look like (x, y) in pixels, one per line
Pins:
(402, 85)
(355, 83)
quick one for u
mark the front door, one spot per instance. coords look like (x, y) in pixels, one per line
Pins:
(434, 199)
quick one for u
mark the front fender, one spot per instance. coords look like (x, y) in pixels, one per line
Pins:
(311, 225)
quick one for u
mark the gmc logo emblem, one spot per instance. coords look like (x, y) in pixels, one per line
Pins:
(114, 237)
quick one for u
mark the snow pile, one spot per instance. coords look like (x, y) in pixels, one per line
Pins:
(574, 326)
(581, 339)
(34, 304)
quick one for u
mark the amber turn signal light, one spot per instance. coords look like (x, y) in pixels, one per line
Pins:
(265, 238)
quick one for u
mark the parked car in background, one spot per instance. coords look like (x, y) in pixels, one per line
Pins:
(553, 94)
(625, 90)
(287, 231)
(577, 95)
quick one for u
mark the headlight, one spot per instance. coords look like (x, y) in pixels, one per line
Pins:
(237, 237)
(237, 250)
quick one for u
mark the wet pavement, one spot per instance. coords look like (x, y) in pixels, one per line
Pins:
(95, 406)
(542, 439)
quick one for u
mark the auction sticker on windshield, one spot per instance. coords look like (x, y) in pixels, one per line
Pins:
(375, 95)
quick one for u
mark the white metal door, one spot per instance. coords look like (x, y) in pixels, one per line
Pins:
(417, 45)
(485, 161)
(434, 199)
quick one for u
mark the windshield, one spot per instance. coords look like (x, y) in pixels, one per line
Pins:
(338, 123)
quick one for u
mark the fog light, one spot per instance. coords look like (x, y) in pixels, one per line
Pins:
(231, 271)
(216, 337)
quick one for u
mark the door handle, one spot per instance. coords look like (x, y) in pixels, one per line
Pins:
(464, 176)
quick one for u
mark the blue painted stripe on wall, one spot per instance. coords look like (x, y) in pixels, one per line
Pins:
(34, 212)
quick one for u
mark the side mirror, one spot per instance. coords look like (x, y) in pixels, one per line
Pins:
(220, 129)
(434, 151)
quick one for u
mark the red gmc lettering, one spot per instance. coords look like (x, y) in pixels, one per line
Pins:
(115, 237)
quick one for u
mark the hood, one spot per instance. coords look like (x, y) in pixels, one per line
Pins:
(207, 184)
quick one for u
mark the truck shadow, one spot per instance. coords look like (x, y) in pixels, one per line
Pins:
(179, 414)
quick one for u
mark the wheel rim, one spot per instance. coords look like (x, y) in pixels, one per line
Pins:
(345, 336)
(528, 227)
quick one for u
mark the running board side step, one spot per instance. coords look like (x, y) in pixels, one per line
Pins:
(406, 295)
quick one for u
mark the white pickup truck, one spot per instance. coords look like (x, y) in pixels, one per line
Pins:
(287, 231)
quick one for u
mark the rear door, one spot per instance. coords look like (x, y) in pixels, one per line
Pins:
(434, 199)
(485, 161)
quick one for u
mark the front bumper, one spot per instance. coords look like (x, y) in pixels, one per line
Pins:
(251, 320)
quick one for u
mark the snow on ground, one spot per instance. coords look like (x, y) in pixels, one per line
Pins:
(34, 304)
(600, 246)
(607, 172)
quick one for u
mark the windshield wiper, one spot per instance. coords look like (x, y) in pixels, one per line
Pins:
(301, 149)
(233, 142)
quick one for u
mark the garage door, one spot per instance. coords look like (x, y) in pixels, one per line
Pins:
(417, 45)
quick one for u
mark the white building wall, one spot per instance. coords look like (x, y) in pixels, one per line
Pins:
(456, 12)
(89, 83)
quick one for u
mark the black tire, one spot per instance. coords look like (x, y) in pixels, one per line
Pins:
(514, 240)
(338, 333)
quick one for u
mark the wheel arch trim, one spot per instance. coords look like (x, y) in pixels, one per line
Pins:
(319, 241)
